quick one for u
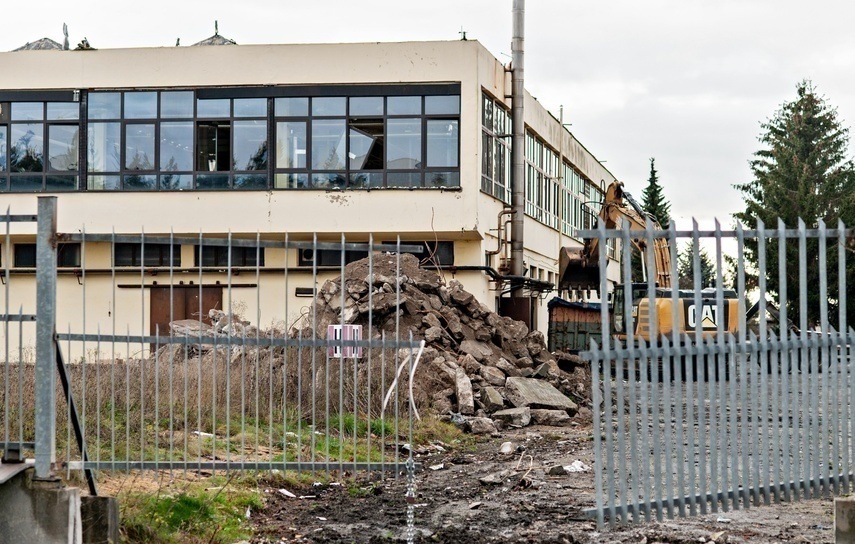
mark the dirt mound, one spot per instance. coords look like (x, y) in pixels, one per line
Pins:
(470, 351)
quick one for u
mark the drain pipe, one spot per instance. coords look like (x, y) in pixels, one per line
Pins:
(518, 145)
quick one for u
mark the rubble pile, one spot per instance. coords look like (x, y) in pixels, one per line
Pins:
(484, 369)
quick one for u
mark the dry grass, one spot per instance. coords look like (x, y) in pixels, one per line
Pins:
(240, 403)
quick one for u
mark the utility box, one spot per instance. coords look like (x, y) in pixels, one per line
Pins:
(572, 325)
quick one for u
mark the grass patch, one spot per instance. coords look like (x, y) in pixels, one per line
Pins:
(197, 512)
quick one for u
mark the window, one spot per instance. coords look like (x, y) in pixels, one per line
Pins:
(495, 149)
(219, 256)
(156, 254)
(329, 257)
(67, 255)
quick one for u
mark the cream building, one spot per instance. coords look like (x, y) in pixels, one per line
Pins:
(264, 141)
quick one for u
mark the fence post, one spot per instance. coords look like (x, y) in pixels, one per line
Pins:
(45, 338)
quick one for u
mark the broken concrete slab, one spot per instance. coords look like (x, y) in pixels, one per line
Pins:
(477, 349)
(518, 417)
(481, 425)
(551, 418)
(465, 397)
(493, 375)
(534, 393)
(492, 399)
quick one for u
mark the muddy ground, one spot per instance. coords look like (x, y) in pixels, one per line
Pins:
(523, 503)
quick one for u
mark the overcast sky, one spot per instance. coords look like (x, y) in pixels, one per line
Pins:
(685, 81)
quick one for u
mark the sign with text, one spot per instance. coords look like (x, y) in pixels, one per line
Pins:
(344, 333)
(708, 315)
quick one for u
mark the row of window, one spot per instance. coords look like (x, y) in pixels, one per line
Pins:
(556, 193)
(178, 140)
(166, 255)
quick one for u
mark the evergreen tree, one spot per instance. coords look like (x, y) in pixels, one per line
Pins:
(686, 268)
(803, 171)
(653, 200)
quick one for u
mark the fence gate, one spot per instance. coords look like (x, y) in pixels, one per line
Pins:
(708, 402)
(180, 353)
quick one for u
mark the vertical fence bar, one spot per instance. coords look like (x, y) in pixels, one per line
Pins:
(825, 368)
(607, 393)
(769, 396)
(598, 431)
(644, 458)
(697, 368)
(7, 247)
(45, 337)
(807, 447)
(846, 367)
(629, 326)
(670, 386)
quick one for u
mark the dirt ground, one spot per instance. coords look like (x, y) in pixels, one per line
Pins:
(522, 503)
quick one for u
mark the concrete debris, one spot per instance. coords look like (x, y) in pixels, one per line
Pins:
(537, 394)
(551, 418)
(557, 470)
(481, 425)
(506, 448)
(515, 417)
(471, 352)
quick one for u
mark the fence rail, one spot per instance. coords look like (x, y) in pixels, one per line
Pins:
(208, 367)
(692, 418)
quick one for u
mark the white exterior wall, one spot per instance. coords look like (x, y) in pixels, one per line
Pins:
(465, 215)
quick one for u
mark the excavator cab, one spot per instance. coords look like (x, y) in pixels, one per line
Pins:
(639, 291)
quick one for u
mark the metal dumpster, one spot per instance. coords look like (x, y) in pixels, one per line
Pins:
(572, 325)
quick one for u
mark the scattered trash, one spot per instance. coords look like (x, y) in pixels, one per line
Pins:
(820, 527)
(287, 493)
(506, 448)
(457, 418)
(440, 466)
(203, 435)
(723, 520)
(715, 536)
(577, 466)
(475, 505)
(301, 497)
(248, 512)
(322, 519)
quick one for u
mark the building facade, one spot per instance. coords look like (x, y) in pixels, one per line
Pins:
(399, 141)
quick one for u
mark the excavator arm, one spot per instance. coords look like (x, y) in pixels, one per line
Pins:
(579, 268)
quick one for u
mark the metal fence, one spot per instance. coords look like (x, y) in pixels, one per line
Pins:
(170, 367)
(694, 417)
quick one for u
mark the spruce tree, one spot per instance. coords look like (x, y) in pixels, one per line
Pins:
(803, 171)
(653, 199)
(686, 267)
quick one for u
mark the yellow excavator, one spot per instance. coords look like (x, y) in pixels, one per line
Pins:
(579, 270)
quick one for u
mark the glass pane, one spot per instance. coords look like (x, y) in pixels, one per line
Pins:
(250, 147)
(3, 135)
(366, 144)
(291, 181)
(442, 179)
(139, 147)
(291, 144)
(28, 111)
(176, 147)
(63, 147)
(250, 107)
(141, 105)
(104, 183)
(442, 104)
(403, 144)
(63, 110)
(4, 184)
(176, 104)
(27, 147)
(213, 144)
(176, 182)
(61, 183)
(291, 107)
(26, 184)
(366, 105)
(213, 108)
(328, 148)
(104, 151)
(105, 105)
(404, 179)
(365, 180)
(328, 181)
(212, 181)
(404, 105)
(251, 181)
(328, 106)
(442, 138)
(139, 182)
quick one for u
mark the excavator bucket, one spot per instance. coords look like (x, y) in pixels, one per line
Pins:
(575, 273)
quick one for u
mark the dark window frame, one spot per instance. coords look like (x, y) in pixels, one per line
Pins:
(217, 257)
(68, 255)
(134, 257)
